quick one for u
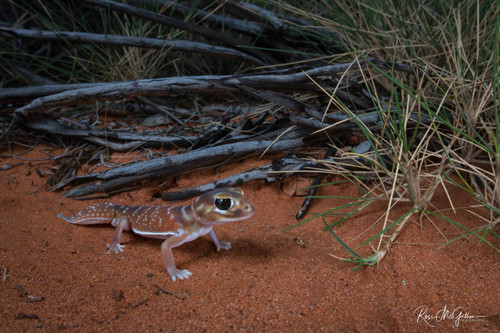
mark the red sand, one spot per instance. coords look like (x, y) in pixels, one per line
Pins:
(57, 276)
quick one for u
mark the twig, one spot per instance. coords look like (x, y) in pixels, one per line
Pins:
(381, 254)
(306, 204)
(22, 94)
(140, 303)
(49, 125)
(165, 291)
(9, 166)
(5, 274)
(160, 108)
(115, 146)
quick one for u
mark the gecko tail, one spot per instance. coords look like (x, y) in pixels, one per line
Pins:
(65, 218)
(97, 214)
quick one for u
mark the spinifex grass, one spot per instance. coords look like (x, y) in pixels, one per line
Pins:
(441, 121)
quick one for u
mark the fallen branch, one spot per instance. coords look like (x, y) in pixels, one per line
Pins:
(173, 22)
(101, 137)
(261, 173)
(241, 26)
(22, 94)
(204, 83)
(170, 166)
(153, 43)
(275, 171)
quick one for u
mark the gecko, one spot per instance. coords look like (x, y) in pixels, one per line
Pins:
(176, 224)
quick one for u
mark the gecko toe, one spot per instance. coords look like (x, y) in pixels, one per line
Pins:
(180, 274)
(224, 246)
(117, 248)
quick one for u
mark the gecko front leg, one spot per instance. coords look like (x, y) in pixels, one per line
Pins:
(121, 224)
(168, 258)
(219, 244)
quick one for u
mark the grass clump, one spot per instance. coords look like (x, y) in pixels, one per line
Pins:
(439, 126)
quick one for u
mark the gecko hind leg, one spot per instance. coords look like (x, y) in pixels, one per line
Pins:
(121, 224)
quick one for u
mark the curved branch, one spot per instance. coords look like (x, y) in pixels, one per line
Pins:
(162, 86)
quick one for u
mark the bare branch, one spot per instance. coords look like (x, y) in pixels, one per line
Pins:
(116, 90)
(170, 166)
(102, 137)
(173, 22)
(246, 27)
(155, 43)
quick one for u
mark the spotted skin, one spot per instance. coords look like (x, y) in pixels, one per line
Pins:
(176, 224)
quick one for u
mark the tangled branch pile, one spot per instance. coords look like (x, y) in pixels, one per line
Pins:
(273, 105)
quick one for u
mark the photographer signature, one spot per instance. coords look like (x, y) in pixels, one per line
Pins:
(457, 315)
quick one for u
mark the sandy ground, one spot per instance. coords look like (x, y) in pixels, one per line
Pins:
(58, 277)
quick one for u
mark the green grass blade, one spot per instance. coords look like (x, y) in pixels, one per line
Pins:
(340, 241)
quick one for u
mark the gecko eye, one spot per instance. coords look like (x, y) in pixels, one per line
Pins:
(223, 204)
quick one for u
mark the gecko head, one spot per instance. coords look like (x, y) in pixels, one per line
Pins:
(222, 205)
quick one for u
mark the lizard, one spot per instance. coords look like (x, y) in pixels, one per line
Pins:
(176, 224)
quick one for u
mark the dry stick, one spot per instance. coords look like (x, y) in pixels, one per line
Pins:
(296, 133)
(259, 13)
(313, 123)
(200, 157)
(170, 21)
(320, 125)
(155, 43)
(275, 171)
(367, 119)
(139, 139)
(144, 301)
(268, 172)
(306, 204)
(296, 81)
(276, 98)
(170, 166)
(22, 94)
(115, 146)
(278, 33)
(160, 108)
(352, 98)
(294, 104)
(51, 126)
(168, 292)
(314, 113)
(117, 90)
(232, 83)
(246, 27)
(231, 181)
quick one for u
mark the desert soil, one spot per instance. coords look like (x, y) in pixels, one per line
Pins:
(58, 277)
